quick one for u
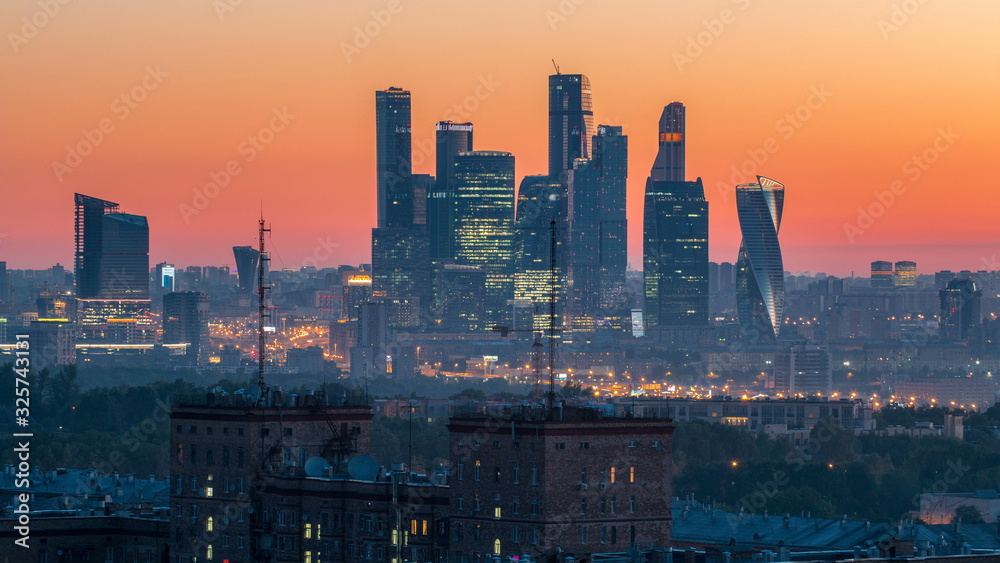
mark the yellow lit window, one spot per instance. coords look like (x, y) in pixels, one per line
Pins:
(631, 474)
(307, 531)
(210, 524)
(612, 474)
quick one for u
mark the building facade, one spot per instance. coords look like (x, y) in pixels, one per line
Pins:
(760, 275)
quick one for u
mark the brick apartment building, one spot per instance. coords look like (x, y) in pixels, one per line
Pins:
(529, 480)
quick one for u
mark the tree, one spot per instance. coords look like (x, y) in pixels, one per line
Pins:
(968, 514)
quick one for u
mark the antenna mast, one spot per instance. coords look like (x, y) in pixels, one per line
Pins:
(552, 308)
(261, 310)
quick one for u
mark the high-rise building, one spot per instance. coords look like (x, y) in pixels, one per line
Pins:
(611, 162)
(247, 260)
(185, 321)
(760, 276)
(905, 274)
(124, 271)
(452, 139)
(541, 200)
(368, 356)
(804, 369)
(393, 154)
(112, 265)
(596, 229)
(52, 343)
(4, 286)
(571, 121)
(88, 228)
(675, 254)
(357, 289)
(882, 274)
(675, 234)
(401, 266)
(457, 301)
(484, 225)
(669, 163)
(961, 310)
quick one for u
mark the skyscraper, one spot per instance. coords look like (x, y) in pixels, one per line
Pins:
(571, 121)
(675, 234)
(112, 262)
(675, 254)
(540, 199)
(760, 276)
(961, 310)
(596, 227)
(124, 271)
(393, 152)
(906, 274)
(669, 163)
(185, 321)
(88, 226)
(881, 274)
(247, 259)
(611, 162)
(452, 139)
(401, 266)
(484, 225)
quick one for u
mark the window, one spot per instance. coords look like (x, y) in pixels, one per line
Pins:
(614, 535)
(584, 445)
(534, 507)
(533, 534)
(477, 470)
(516, 473)
(194, 484)
(225, 540)
(225, 456)
(496, 444)
(604, 534)
(180, 486)
(307, 531)
(583, 534)
(496, 512)
(225, 485)
(496, 546)
(460, 470)
(240, 539)
(560, 445)
(210, 524)
(631, 474)
(612, 475)
(307, 557)
(239, 453)
(515, 534)
(496, 475)
(239, 431)
(631, 505)
(287, 431)
(583, 506)
(614, 504)
(239, 486)
(516, 506)
(461, 503)
(194, 452)
(603, 505)
(534, 474)
(583, 476)
(209, 552)
(209, 430)
(180, 453)
(209, 489)
(476, 506)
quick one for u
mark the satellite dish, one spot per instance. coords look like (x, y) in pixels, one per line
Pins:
(362, 468)
(315, 466)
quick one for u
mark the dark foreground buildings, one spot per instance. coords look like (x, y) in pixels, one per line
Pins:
(292, 481)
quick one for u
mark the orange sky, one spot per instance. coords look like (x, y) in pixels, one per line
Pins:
(219, 76)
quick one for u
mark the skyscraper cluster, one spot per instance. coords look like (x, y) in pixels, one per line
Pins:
(553, 252)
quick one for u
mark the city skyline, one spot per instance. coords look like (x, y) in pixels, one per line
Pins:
(319, 193)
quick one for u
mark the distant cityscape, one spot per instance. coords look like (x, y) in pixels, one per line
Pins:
(475, 278)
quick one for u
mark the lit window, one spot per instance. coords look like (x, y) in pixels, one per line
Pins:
(631, 474)
(209, 552)
(307, 531)
(210, 524)
(612, 475)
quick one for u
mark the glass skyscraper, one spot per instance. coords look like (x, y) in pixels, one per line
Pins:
(675, 254)
(88, 226)
(675, 234)
(540, 200)
(571, 121)
(452, 139)
(393, 155)
(484, 225)
(596, 236)
(124, 257)
(669, 163)
(760, 276)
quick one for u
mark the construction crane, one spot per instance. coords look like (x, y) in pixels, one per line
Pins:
(555, 65)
